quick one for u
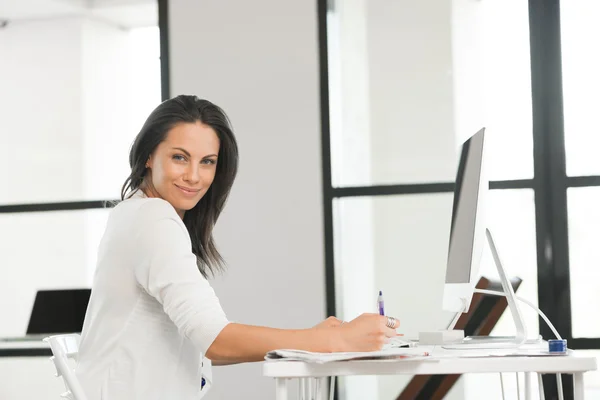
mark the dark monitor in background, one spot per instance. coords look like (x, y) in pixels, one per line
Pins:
(58, 311)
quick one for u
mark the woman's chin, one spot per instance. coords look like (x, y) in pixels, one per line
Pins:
(186, 204)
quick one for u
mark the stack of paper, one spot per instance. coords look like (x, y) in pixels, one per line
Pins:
(320, 358)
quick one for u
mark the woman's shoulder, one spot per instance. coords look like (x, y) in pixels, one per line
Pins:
(145, 210)
(155, 209)
(154, 222)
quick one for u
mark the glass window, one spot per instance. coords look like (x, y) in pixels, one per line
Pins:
(397, 244)
(507, 89)
(67, 127)
(511, 220)
(581, 84)
(398, 112)
(584, 219)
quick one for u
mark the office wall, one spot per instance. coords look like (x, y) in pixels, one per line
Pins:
(259, 61)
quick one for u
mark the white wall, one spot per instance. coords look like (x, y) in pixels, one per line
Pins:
(259, 61)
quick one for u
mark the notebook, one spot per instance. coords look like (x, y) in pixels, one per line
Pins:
(321, 358)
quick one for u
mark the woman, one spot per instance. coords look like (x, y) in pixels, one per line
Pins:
(153, 315)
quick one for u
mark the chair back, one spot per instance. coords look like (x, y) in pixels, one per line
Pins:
(65, 347)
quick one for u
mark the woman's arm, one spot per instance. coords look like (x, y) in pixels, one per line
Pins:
(167, 271)
(245, 343)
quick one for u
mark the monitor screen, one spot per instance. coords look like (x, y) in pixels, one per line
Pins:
(464, 210)
(58, 311)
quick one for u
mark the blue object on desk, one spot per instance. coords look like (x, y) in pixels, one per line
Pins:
(558, 346)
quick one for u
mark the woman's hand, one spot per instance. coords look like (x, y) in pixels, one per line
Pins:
(367, 332)
(331, 322)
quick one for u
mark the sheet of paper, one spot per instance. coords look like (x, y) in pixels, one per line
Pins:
(392, 353)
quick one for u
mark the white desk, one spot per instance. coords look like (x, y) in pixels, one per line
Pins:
(282, 371)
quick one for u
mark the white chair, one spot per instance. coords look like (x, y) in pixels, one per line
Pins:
(65, 347)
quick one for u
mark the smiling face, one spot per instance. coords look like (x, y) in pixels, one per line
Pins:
(182, 167)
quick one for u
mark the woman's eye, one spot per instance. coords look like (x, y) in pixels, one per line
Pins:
(178, 157)
(208, 161)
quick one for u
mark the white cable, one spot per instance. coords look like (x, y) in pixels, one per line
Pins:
(502, 386)
(540, 312)
(518, 387)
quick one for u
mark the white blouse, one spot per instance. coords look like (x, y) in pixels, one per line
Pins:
(151, 314)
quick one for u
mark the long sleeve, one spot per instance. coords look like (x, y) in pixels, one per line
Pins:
(168, 272)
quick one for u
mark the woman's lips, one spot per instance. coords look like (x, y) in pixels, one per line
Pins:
(188, 191)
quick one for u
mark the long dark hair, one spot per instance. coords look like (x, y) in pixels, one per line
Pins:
(201, 219)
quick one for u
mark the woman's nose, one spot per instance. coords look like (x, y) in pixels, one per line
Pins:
(192, 175)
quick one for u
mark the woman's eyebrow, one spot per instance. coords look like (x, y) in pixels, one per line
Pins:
(182, 150)
(189, 155)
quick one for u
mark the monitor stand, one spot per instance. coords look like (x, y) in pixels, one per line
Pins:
(495, 342)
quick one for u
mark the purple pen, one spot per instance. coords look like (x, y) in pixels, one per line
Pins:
(380, 303)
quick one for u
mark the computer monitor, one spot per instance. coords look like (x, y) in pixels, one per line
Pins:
(467, 231)
(58, 311)
(468, 235)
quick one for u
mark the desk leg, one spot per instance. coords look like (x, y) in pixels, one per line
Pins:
(527, 385)
(322, 392)
(578, 386)
(281, 392)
